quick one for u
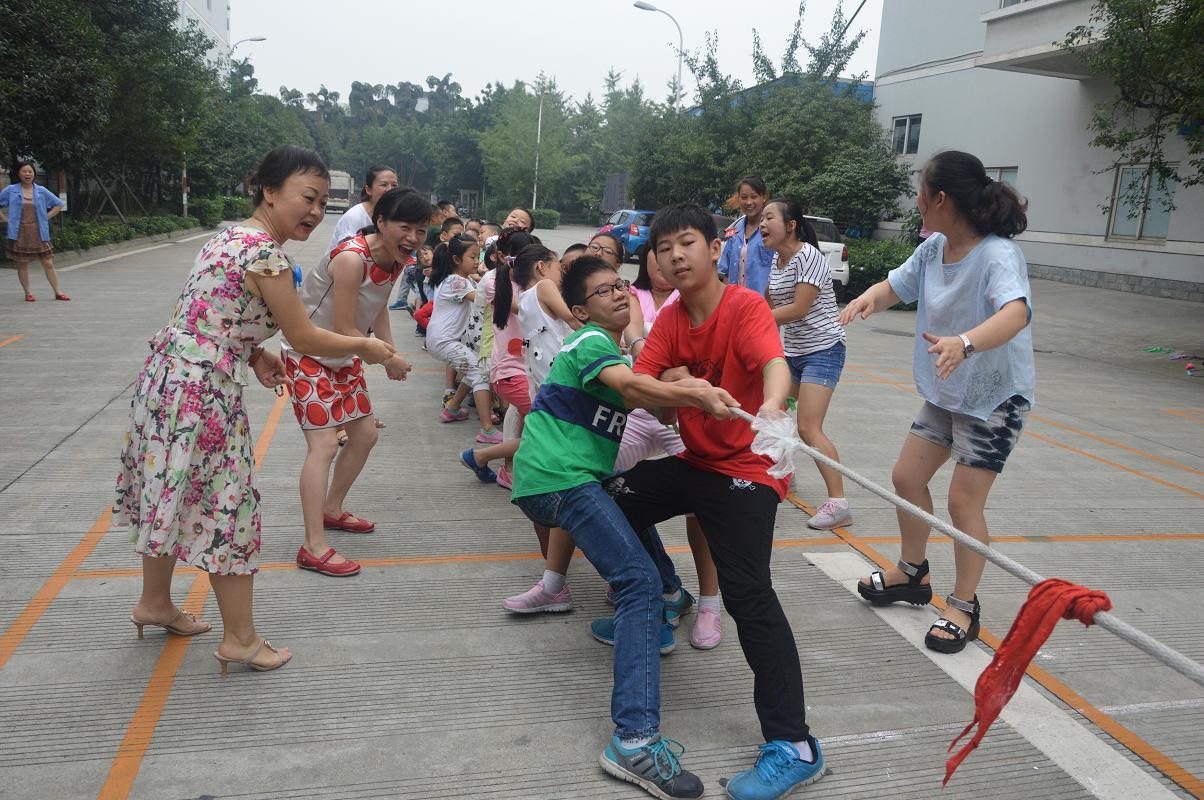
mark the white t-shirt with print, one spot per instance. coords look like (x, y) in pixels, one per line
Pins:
(449, 318)
(351, 223)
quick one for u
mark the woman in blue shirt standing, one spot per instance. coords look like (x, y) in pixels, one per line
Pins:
(973, 364)
(745, 260)
(26, 210)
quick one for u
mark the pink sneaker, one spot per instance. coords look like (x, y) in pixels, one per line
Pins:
(535, 600)
(490, 437)
(447, 415)
(707, 629)
(504, 478)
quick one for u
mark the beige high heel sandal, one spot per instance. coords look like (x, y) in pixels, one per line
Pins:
(170, 626)
(249, 660)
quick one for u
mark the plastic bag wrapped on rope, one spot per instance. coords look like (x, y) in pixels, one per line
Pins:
(776, 438)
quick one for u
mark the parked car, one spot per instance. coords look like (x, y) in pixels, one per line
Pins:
(630, 226)
(342, 192)
(834, 249)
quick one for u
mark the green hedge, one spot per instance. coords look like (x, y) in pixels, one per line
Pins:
(81, 235)
(546, 219)
(236, 207)
(870, 261)
(207, 210)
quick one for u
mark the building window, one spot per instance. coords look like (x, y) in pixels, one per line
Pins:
(907, 135)
(1006, 3)
(1139, 209)
(1005, 174)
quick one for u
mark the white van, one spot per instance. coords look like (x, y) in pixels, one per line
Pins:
(833, 248)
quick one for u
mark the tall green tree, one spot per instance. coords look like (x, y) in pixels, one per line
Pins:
(1151, 51)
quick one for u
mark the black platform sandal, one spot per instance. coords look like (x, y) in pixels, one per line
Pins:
(960, 636)
(914, 592)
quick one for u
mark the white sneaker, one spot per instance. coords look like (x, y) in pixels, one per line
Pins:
(832, 514)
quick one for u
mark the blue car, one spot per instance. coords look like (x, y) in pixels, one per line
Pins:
(631, 226)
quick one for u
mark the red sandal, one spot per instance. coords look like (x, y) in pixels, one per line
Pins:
(322, 565)
(340, 523)
(29, 298)
(61, 296)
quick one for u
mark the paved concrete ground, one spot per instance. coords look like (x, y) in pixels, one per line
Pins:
(410, 681)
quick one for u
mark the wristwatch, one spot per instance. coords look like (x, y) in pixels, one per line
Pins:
(967, 347)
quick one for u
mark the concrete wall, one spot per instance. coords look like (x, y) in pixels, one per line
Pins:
(213, 17)
(1038, 124)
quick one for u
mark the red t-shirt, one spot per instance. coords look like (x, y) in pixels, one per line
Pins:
(729, 350)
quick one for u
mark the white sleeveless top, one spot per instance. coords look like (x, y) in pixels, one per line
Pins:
(542, 335)
(317, 295)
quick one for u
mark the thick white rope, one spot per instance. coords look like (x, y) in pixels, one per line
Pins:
(1138, 638)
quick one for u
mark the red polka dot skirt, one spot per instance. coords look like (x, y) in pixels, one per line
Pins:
(323, 397)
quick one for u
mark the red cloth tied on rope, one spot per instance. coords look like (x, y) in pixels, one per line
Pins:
(1049, 601)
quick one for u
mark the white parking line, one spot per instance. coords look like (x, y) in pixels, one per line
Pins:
(115, 256)
(1104, 772)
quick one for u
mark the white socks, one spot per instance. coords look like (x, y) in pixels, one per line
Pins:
(672, 597)
(708, 603)
(805, 752)
(839, 500)
(553, 582)
(635, 744)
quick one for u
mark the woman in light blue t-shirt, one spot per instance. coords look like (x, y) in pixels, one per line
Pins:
(973, 367)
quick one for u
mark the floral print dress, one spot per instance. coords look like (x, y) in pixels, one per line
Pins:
(187, 486)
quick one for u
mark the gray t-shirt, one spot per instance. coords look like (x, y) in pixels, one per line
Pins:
(953, 298)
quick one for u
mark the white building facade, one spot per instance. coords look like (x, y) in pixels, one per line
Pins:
(984, 76)
(213, 18)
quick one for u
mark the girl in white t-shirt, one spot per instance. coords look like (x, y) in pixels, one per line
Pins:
(455, 262)
(804, 306)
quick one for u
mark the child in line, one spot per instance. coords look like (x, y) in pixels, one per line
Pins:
(726, 335)
(973, 366)
(455, 262)
(569, 446)
(347, 294)
(804, 305)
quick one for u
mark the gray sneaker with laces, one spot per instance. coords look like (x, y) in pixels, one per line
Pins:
(655, 768)
(832, 514)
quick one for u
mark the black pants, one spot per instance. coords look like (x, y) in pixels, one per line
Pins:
(737, 517)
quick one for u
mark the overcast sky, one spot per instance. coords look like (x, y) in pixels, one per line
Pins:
(311, 42)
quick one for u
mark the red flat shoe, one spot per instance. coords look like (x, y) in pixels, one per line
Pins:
(340, 523)
(61, 296)
(321, 565)
(29, 298)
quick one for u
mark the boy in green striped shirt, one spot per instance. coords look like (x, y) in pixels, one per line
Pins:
(569, 443)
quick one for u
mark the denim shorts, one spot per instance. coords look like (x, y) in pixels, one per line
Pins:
(822, 367)
(972, 441)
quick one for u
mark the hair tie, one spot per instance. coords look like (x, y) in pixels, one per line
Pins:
(509, 261)
(989, 181)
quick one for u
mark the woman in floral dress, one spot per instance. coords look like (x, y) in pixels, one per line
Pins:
(187, 487)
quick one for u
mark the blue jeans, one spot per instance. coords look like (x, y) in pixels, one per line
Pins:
(623, 561)
(823, 367)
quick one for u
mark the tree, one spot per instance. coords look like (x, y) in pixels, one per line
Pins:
(1150, 50)
(54, 87)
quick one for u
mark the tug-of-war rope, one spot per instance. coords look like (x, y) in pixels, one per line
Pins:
(1050, 599)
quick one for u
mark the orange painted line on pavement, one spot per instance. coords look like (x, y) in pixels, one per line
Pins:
(1193, 414)
(1139, 746)
(46, 595)
(1157, 459)
(11, 339)
(269, 430)
(1084, 453)
(1122, 467)
(123, 771)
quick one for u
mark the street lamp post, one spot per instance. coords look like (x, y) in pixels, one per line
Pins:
(538, 136)
(643, 6)
(248, 39)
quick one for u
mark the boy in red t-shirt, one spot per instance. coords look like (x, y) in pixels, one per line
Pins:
(727, 335)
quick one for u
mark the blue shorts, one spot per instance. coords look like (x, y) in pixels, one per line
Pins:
(823, 367)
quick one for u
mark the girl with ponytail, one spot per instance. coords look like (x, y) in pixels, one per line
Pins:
(455, 261)
(973, 366)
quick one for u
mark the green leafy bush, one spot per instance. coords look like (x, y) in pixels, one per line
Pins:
(870, 261)
(236, 207)
(208, 210)
(83, 234)
(546, 219)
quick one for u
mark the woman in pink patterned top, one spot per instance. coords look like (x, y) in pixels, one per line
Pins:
(187, 488)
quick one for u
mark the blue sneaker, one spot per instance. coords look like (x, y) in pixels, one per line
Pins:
(604, 631)
(676, 609)
(484, 474)
(777, 773)
(397, 306)
(655, 768)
